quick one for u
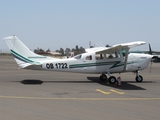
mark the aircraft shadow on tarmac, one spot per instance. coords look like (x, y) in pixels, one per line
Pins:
(125, 85)
(31, 82)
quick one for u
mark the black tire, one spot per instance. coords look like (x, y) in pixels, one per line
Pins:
(112, 80)
(103, 77)
(139, 79)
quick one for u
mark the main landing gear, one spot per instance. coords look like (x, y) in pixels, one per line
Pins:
(111, 79)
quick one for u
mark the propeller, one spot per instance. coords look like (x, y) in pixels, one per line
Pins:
(150, 52)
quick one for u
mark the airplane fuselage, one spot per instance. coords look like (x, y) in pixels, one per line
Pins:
(81, 64)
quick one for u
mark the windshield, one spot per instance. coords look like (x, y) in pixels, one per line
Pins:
(124, 52)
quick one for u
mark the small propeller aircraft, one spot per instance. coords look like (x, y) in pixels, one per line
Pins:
(98, 60)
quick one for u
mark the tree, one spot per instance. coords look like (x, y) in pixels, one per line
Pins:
(82, 50)
(38, 50)
(48, 50)
(61, 51)
(73, 49)
(108, 45)
(77, 49)
(67, 51)
(57, 51)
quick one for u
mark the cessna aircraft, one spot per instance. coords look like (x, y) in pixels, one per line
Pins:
(98, 60)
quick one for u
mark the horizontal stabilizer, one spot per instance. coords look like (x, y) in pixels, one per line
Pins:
(26, 65)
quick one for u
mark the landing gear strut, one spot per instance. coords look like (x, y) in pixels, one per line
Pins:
(138, 78)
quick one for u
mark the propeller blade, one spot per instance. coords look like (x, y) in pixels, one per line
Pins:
(150, 50)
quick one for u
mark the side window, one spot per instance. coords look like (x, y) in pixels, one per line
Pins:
(99, 56)
(113, 55)
(110, 55)
(117, 54)
(89, 57)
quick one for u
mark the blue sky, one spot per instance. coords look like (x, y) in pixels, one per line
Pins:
(66, 23)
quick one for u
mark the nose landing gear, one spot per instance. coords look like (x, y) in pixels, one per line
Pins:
(138, 78)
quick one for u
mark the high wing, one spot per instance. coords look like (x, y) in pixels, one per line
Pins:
(119, 47)
(114, 47)
(94, 49)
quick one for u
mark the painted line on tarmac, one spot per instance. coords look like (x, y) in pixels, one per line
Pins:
(112, 91)
(81, 99)
(103, 92)
(117, 91)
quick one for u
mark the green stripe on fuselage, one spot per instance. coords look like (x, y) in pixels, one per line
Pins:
(93, 64)
(120, 64)
(20, 56)
(114, 64)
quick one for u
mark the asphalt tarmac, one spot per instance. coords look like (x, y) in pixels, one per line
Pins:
(43, 95)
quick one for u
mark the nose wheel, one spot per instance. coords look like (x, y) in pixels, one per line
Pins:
(138, 78)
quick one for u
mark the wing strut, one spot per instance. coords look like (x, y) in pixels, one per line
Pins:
(126, 58)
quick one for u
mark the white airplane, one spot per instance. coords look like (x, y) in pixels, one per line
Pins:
(99, 60)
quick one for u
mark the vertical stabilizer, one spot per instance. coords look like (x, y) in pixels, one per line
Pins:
(22, 54)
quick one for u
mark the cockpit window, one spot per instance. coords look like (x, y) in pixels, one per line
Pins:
(124, 52)
(78, 56)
